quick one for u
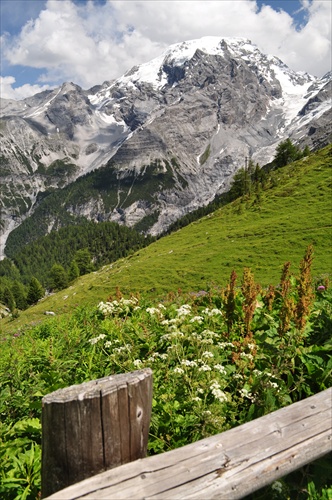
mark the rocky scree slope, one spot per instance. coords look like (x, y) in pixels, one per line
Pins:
(167, 136)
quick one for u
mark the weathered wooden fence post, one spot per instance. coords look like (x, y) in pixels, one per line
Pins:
(94, 426)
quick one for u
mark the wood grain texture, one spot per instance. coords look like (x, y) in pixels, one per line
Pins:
(227, 466)
(92, 427)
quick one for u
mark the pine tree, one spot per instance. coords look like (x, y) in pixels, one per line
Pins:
(19, 295)
(35, 291)
(73, 272)
(58, 279)
(8, 298)
(286, 152)
(83, 261)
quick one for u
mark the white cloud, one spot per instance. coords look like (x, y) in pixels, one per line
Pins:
(8, 92)
(90, 43)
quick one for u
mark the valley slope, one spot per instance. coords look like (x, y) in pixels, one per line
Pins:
(262, 232)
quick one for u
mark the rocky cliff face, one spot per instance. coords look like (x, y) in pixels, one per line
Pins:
(168, 136)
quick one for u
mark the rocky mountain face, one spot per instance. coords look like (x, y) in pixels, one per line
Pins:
(160, 141)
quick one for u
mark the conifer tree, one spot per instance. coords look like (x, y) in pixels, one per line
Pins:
(58, 279)
(19, 294)
(83, 261)
(73, 272)
(286, 152)
(35, 291)
(8, 298)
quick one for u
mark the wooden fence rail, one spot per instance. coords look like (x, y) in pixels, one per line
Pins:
(226, 466)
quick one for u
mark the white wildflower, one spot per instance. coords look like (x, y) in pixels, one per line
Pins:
(246, 355)
(219, 394)
(204, 368)
(153, 311)
(187, 362)
(225, 344)
(212, 312)
(246, 394)
(96, 339)
(220, 369)
(137, 363)
(184, 310)
(178, 370)
(209, 333)
(207, 354)
(196, 319)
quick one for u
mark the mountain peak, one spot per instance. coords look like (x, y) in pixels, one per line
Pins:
(179, 53)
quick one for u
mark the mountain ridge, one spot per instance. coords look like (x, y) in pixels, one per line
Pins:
(188, 118)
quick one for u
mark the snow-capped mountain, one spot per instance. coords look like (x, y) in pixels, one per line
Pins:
(167, 136)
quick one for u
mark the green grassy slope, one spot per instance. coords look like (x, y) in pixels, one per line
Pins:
(261, 234)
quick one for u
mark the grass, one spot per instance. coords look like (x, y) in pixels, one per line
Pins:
(292, 213)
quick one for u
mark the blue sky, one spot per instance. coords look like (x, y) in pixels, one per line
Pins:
(47, 42)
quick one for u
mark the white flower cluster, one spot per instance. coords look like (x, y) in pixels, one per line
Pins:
(109, 343)
(223, 345)
(246, 394)
(184, 310)
(173, 335)
(217, 392)
(156, 311)
(197, 319)
(156, 356)
(207, 341)
(210, 334)
(123, 348)
(220, 369)
(247, 355)
(204, 368)
(170, 321)
(96, 339)
(118, 306)
(207, 354)
(212, 312)
(187, 362)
